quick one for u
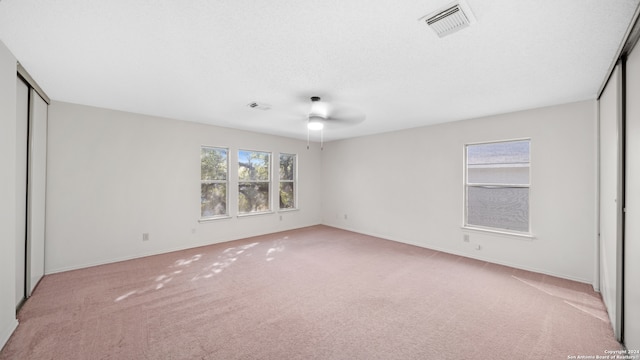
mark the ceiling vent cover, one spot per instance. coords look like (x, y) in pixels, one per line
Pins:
(257, 105)
(449, 19)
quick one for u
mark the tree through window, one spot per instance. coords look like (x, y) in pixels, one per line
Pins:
(214, 181)
(254, 181)
(287, 181)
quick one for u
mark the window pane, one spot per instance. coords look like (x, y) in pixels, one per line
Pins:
(503, 208)
(213, 199)
(498, 174)
(253, 165)
(287, 166)
(213, 164)
(287, 195)
(253, 197)
(508, 152)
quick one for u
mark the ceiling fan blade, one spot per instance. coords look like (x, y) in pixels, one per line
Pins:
(345, 116)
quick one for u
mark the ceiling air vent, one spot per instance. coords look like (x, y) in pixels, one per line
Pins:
(259, 106)
(449, 19)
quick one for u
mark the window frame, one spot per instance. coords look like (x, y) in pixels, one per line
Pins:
(466, 185)
(269, 183)
(294, 181)
(226, 215)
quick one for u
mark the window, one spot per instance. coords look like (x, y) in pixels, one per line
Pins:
(254, 181)
(214, 181)
(287, 181)
(497, 186)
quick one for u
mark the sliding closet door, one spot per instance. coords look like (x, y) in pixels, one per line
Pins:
(22, 125)
(37, 187)
(610, 199)
(632, 192)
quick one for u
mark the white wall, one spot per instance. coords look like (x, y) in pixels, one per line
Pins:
(408, 186)
(8, 190)
(114, 175)
(632, 221)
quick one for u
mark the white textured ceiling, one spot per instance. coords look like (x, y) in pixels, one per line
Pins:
(204, 60)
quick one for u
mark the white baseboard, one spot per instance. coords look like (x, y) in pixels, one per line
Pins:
(453, 252)
(7, 331)
(386, 237)
(157, 252)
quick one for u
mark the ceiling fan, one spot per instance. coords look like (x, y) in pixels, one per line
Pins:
(324, 114)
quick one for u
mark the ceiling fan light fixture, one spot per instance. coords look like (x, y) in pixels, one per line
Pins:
(315, 123)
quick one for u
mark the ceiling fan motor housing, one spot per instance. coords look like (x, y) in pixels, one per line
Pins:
(317, 109)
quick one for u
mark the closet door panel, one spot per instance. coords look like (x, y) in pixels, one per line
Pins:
(632, 204)
(610, 200)
(37, 190)
(22, 126)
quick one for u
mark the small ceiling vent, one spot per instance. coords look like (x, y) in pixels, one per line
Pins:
(449, 19)
(259, 106)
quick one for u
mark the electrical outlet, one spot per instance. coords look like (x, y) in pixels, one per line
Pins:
(145, 236)
(345, 216)
(465, 237)
(280, 217)
(478, 247)
(193, 230)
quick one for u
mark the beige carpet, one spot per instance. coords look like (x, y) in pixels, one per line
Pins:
(312, 293)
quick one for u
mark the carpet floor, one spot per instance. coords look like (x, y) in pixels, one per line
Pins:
(311, 293)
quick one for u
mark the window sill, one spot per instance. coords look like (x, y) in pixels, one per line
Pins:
(500, 232)
(288, 210)
(254, 214)
(209, 219)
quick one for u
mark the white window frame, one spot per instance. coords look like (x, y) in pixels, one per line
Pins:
(226, 182)
(269, 183)
(294, 181)
(466, 185)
